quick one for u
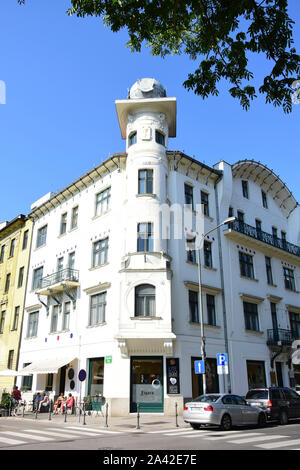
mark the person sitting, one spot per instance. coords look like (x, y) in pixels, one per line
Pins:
(68, 404)
(58, 403)
(37, 401)
(44, 402)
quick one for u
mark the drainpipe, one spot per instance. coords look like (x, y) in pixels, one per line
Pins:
(222, 286)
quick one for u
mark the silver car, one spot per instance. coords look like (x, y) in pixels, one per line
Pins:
(222, 410)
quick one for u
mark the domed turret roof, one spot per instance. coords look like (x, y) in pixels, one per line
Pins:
(147, 88)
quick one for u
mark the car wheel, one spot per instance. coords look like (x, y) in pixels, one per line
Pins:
(226, 423)
(283, 418)
(262, 420)
(195, 426)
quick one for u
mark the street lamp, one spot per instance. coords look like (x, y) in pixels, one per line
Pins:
(203, 355)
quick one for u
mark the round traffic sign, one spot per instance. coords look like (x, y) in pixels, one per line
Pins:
(82, 375)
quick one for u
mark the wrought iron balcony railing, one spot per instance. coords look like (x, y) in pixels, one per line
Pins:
(63, 275)
(280, 336)
(265, 237)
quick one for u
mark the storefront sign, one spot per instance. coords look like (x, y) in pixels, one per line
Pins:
(147, 393)
(173, 383)
(108, 359)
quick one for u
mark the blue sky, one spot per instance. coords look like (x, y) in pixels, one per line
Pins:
(63, 75)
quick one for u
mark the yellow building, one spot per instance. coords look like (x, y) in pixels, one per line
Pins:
(15, 240)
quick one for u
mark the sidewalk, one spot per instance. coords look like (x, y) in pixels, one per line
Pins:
(146, 420)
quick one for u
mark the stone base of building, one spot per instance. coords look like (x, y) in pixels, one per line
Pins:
(121, 406)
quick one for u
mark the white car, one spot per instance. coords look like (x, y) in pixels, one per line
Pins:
(222, 410)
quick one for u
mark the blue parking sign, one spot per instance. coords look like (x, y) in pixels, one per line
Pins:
(222, 359)
(199, 367)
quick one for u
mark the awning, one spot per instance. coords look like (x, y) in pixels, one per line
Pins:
(48, 366)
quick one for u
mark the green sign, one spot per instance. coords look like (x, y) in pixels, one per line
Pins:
(108, 359)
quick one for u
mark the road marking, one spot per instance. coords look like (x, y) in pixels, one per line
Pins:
(228, 436)
(169, 430)
(253, 439)
(279, 444)
(186, 433)
(60, 434)
(12, 442)
(30, 436)
(96, 431)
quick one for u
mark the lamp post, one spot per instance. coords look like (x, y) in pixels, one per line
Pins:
(203, 352)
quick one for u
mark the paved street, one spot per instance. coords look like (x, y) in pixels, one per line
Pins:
(156, 432)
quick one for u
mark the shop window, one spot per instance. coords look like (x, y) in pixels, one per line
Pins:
(256, 374)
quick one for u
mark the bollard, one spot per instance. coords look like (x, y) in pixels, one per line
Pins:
(23, 411)
(65, 412)
(106, 415)
(36, 412)
(84, 414)
(176, 415)
(138, 416)
(50, 408)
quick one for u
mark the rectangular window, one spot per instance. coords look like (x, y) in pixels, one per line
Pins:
(100, 252)
(97, 309)
(21, 276)
(251, 316)
(7, 283)
(49, 383)
(2, 252)
(264, 199)
(145, 181)
(145, 237)
(41, 236)
(269, 270)
(204, 202)
(27, 379)
(246, 265)
(10, 359)
(188, 195)
(2, 321)
(274, 319)
(16, 318)
(74, 217)
(102, 202)
(12, 247)
(245, 189)
(191, 251)
(295, 324)
(37, 278)
(240, 216)
(63, 223)
(207, 254)
(193, 306)
(66, 316)
(211, 309)
(71, 262)
(25, 239)
(159, 137)
(32, 326)
(54, 319)
(289, 279)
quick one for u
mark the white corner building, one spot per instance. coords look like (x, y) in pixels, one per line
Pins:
(113, 286)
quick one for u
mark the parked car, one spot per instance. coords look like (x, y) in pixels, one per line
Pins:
(222, 410)
(279, 403)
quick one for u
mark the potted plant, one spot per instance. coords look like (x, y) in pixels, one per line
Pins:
(5, 403)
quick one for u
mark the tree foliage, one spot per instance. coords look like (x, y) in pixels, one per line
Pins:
(219, 35)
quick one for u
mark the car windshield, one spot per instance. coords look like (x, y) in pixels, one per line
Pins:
(257, 395)
(207, 398)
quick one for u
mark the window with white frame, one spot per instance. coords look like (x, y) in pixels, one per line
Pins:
(102, 202)
(66, 315)
(54, 319)
(32, 325)
(37, 278)
(41, 236)
(100, 252)
(144, 301)
(97, 309)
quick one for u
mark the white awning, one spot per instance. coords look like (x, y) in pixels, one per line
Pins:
(47, 366)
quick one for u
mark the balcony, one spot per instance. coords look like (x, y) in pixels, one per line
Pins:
(259, 236)
(59, 282)
(280, 337)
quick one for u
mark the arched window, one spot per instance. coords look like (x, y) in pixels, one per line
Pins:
(144, 301)
(132, 139)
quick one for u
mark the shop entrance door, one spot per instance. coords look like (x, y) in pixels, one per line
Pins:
(146, 384)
